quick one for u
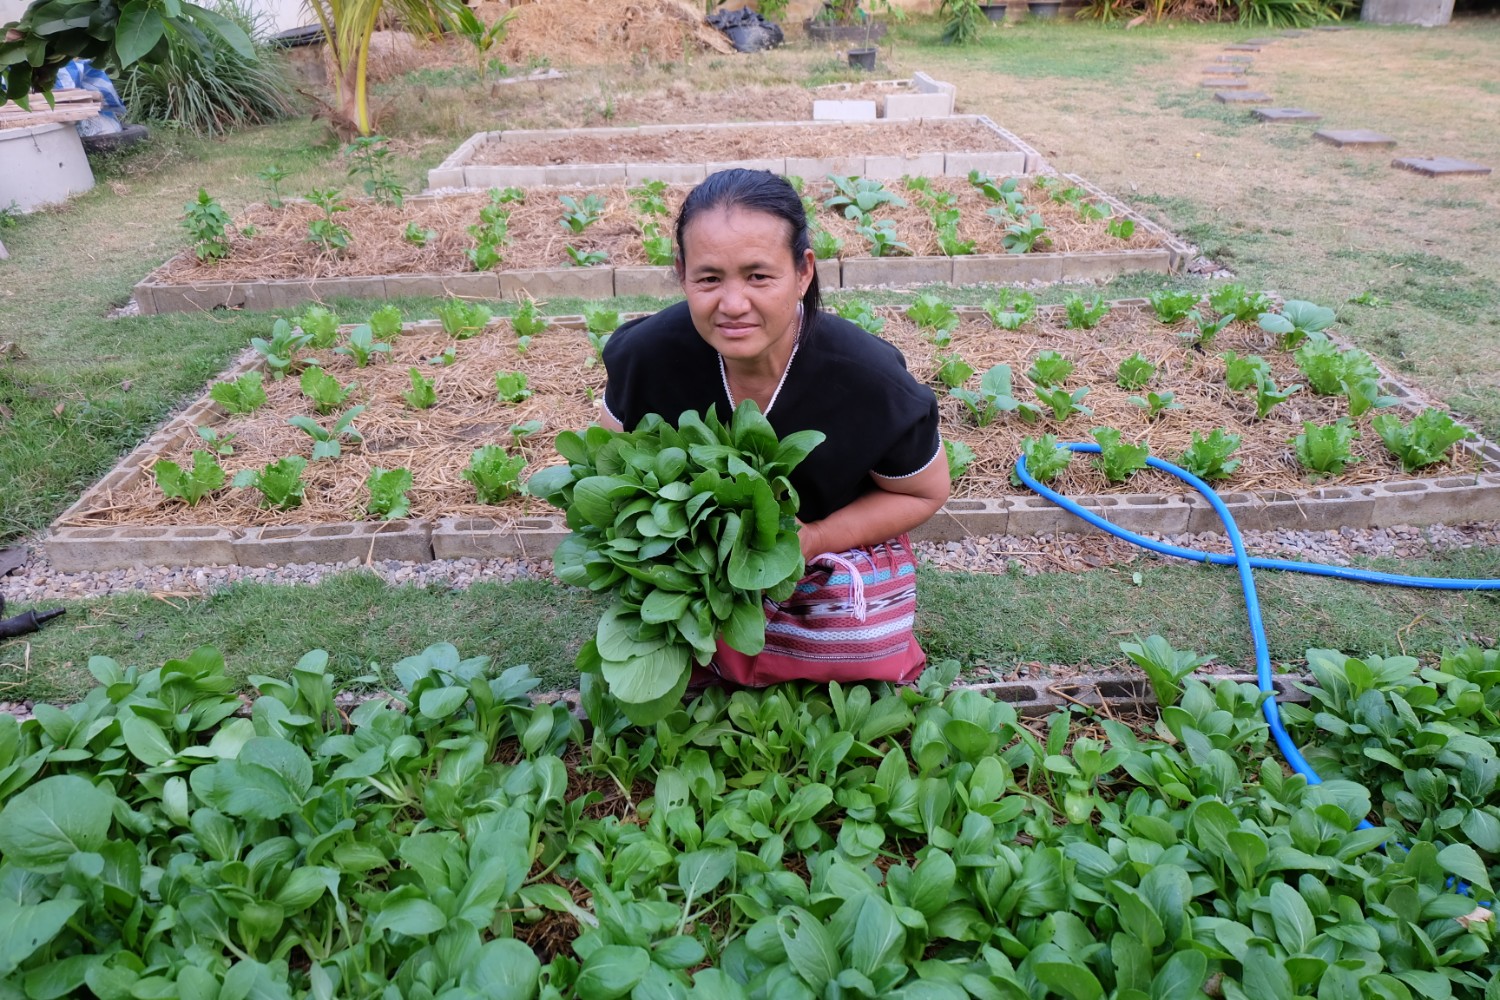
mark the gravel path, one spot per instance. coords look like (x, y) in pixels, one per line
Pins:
(37, 581)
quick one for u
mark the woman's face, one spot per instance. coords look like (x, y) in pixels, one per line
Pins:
(741, 281)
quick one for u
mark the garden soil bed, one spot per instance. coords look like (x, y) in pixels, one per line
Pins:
(435, 444)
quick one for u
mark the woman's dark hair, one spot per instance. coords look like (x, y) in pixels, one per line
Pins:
(756, 191)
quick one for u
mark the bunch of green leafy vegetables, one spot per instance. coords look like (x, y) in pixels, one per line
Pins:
(688, 527)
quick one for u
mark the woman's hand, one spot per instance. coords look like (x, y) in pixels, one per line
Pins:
(808, 535)
(895, 506)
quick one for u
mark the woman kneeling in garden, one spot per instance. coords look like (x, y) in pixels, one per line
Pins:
(751, 328)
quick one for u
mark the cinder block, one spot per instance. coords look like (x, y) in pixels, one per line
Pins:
(1033, 515)
(959, 519)
(564, 174)
(474, 285)
(325, 289)
(777, 165)
(661, 281)
(1002, 268)
(908, 106)
(1315, 510)
(1030, 699)
(923, 83)
(1109, 263)
(896, 271)
(445, 177)
(482, 175)
(579, 282)
(145, 298)
(405, 541)
(1451, 500)
(818, 167)
(278, 295)
(1150, 512)
(844, 111)
(481, 537)
(830, 274)
(996, 163)
(82, 550)
(201, 297)
(916, 165)
(672, 173)
(397, 285)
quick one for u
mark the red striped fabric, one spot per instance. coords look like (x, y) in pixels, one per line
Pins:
(818, 634)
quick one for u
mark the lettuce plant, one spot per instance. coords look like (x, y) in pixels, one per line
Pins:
(385, 322)
(1156, 403)
(1240, 373)
(1049, 369)
(1208, 457)
(933, 314)
(511, 387)
(1010, 309)
(244, 395)
(1424, 441)
(462, 320)
(189, 485)
(862, 314)
(1134, 372)
(1267, 395)
(495, 473)
(280, 483)
(953, 371)
(1118, 459)
(421, 395)
(1324, 448)
(362, 345)
(324, 390)
(994, 398)
(388, 493)
(1083, 314)
(1172, 307)
(959, 455)
(1234, 301)
(1045, 458)
(321, 326)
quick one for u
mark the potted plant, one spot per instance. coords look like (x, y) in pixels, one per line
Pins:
(845, 21)
(1044, 8)
(994, 11)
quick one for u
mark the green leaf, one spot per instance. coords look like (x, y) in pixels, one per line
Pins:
(746, 628)
(25, 928)
(878, 936)
(1264, 977)
(46, 823)
(701, 872)
(506, 970)
(410, 915)
(611, 972)
(146, 741)
(931, 883)
(810, 949)
(1073, 981)
(646, 677)
(1292, 919)
(440, 703)
(1462, 861)
(1182, 977)
(140, 28)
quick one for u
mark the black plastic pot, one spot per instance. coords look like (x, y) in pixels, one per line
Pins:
(995, 12)
(1044, 10)
(862, 58)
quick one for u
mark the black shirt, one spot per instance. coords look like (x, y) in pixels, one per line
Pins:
(852, 386)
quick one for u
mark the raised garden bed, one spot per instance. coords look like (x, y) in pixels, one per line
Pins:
(277, 268)
(886, 148)
(125, 519)
(919, 97)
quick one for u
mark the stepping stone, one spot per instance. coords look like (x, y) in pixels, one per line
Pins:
(1259, 41)
(1242, 47)
(1353, 137)
(1225, 70)
(1242, 97)
(1441, 166)
(1234, 59)
(1227, 84)
(1285, 115)
(1293, 33)
(1332, 27)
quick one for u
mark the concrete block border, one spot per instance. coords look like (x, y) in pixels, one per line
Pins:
(74, 545)
(458, 171)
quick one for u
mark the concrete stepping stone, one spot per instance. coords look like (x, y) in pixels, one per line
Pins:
(1364, 137)
(1242, 97)
(1226, 69)
(1242, 47)
(1285, 115)
(1332, 27)
(1259, 41)
(1293, 33)
(1235, 59)
(1227, 84)
(1441, 166)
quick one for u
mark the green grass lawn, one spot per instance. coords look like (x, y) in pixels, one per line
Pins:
(1121, 108)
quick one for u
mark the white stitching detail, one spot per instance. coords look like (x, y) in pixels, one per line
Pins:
(925, 465)
(604, 403)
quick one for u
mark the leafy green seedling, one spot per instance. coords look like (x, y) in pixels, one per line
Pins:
(280, 352)
(649, 198)
(993, 398)
(221, 442)
(1172, 307)
(388, 488)
(528, 320)
(506, 196)
(1164, 666)
(858, 197)
(1297, 321)
(945, 213)
(1350, 373)
(1070, 195)
(1325, 448)
(321, 326)
(1240, 373)
(1267, 395)
(1120, 229)
(422, 395)
(1091, 211)
(657, 246)
(1025, 236)
(581, 214)
(1208, 457)
(510, 387)
(462, 320)
(273, 176)
(1045, 458)
(447, 357)
(244, 395)
(370, 158)
(933, 314)
(1368, 298)
(953, 371)
(1365, 394)
(495, 474)
(1155, 404)
(1134, 372)
(417, 236)
(1011, 309)
(1083, 314)
(1425, 441)
(386, 321)
(585, 258)
(206, 223)
(882, 238)
(325, 232)
(600, 322)
(952, 244)
(1064, 403)
(960, 456)
(328, 441)
(1049, 369)
(1233, 300)
(324, 390)
(1204, 329)
(523, 430)
(861, 313)
(193, 485)
(1322, 365)
(485, 254)
(361, 345)
(280, 483)
(1118, 459)
(825, 245)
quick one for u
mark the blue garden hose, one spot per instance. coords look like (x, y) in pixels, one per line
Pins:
(1244, 563)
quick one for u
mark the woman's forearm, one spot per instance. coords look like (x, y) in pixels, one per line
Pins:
(878, 516)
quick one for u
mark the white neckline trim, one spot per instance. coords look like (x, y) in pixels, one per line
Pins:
(729, 393)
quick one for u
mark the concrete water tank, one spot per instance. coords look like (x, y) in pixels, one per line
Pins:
(1425, 13)
(42, 165)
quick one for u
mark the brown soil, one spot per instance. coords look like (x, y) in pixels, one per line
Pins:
(710, 145)
(596, 32)
(435, 444)
(681, 103)
(279, 247)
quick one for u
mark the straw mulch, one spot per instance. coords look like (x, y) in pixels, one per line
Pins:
(279, 247)
(750, 143)
(436, 444)
(598, 32)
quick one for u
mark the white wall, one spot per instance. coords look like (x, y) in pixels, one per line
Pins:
(280, 14)
(11, 10)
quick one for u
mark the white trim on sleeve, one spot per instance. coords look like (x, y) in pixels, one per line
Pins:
(925, 465)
